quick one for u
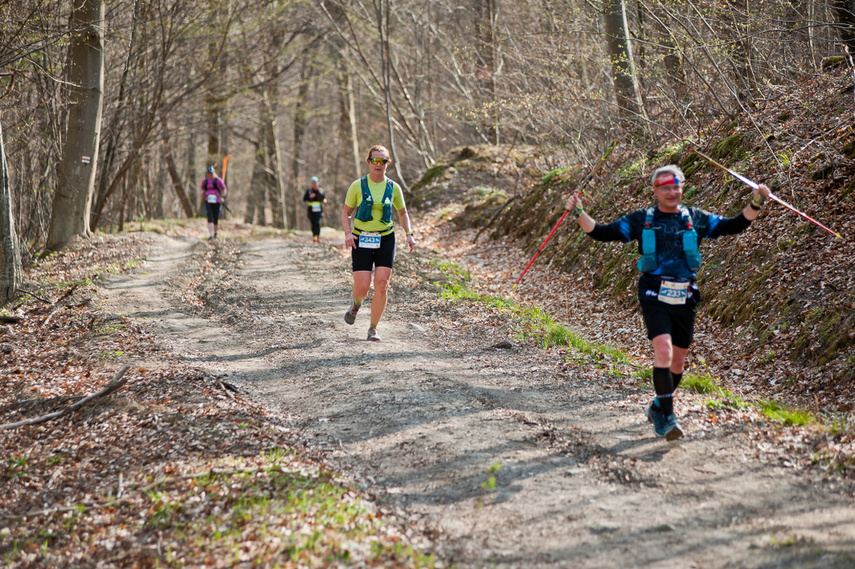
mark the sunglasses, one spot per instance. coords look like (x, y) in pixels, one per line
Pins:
(378, 161)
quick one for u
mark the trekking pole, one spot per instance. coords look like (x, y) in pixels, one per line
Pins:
(225, 163)
(566, 211)
(754, 185)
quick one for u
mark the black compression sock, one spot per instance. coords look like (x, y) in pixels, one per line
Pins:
(676, 379)
(664, 387)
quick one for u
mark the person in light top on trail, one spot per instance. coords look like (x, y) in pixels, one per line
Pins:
(371, 237)
(213, 192)
(668, 236)
(314, 196)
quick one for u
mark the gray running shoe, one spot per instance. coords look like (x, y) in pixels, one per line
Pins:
(372, 335)
(350, 315)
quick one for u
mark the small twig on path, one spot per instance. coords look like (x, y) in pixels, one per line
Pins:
(117, 382)
(51, 315)
(37, 297)
(66, 294)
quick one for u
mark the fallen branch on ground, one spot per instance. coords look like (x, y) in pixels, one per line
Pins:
(117, 382)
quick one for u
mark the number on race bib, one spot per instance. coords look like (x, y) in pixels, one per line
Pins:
(369, 240)
(673, 292)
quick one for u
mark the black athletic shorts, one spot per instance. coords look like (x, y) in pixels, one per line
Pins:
(367, 259)
(213, 211)
(676, 321)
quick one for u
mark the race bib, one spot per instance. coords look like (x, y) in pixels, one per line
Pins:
(671, 292)
(369, 240)
(316, 207)
(212, 198)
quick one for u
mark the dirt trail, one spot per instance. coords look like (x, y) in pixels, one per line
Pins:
(420, 418)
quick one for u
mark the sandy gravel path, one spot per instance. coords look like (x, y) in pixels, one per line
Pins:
(451, 397)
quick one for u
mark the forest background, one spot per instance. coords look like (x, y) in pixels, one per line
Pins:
(113, 109)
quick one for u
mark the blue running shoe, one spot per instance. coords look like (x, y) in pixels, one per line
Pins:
(664, 425)
(672, 428)
(658, 419)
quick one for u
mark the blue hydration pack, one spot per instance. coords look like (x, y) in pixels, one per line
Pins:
(648, 263)
(364, 211)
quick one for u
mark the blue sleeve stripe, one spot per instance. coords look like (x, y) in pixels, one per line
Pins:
(623, 227)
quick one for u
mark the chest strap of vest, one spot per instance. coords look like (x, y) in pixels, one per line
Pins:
(363, 213)
(648, 262)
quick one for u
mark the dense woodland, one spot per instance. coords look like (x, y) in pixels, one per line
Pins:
(111, 110)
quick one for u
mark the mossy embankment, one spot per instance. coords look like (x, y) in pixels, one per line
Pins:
(787, 281)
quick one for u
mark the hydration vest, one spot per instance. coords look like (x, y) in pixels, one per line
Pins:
(648, 263)
(364, 212)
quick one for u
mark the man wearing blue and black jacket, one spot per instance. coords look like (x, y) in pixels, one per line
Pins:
(669, 235)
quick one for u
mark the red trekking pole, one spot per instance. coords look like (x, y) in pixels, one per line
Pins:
(566, 211)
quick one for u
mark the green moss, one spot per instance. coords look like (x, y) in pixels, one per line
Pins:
(552, 174)
(728, 147)
(429, 176)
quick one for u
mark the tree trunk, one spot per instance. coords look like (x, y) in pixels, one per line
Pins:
(349, 120)
(845, 12)
(112, 129)
(487, 14)
(76, 171)
(274, 181)
(176, 180)
(256, 197)
(11, 271)
(299, 133)
(384, 17)
(620, 53)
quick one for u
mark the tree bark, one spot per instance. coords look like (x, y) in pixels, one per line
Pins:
(845, 12)
(256, 198)
(384, 16)
(176, 180)
(11, 271)
(350, 103)
(76, 171)
(620, 54)
(487, 14)
(299, 133)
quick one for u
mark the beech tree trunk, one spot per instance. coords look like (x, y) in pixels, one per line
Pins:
(620, 53)
(10, 251)
(76, 171)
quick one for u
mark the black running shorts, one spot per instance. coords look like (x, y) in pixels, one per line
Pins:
(367, 259)
(676, 321)
(213, 211)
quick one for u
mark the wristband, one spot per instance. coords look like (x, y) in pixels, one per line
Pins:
(577, 210)
(757, 203)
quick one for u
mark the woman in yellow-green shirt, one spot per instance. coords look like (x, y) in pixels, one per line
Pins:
(370, 233)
